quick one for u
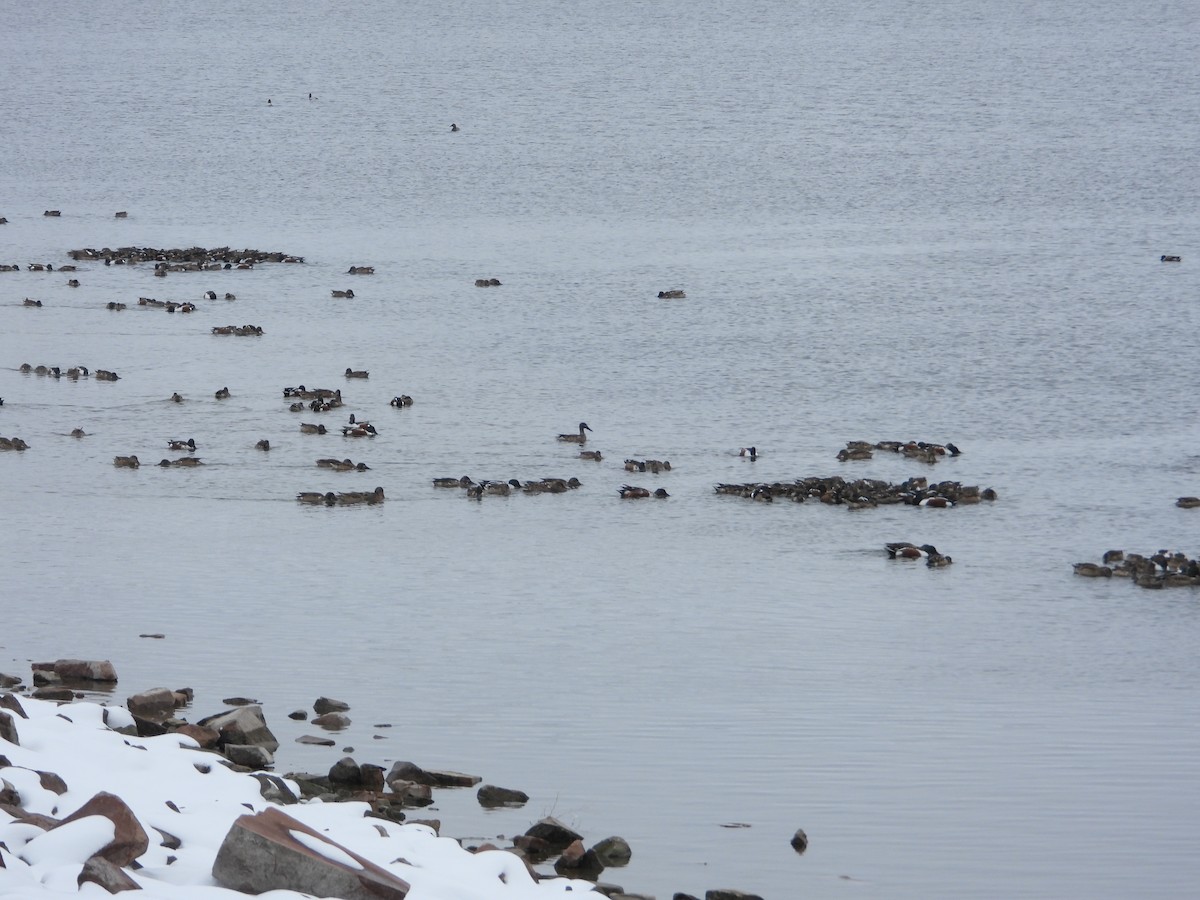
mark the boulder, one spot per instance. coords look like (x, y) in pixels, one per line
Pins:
(8, 729)
(613, 851)
(46, 678)
(346, 772)
(412, 794)
(326, 705)
(315, 741)
(57, 694)
(490, 795)
(298, 714)
(52, 781)
(275, 789)
(272, 851)
(155, 705)
(372, 777)
(112, 878)
(332, 721)
(9, 796)
(682, 896)
(535, 848)
(729, 894)
(206, 737)
(579, 863)
(239, 701)
(244, 725)
(10, 702)
(251, 756)
(130, 840)
(7, 681)
(409, 771)
(85, 669)
(556, 835)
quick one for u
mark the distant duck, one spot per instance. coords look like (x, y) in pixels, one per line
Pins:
(114, 305)
(593, 455)
(264, 444)
(13, 444)
(938, 561)
(366, 429)
(78, 433)
(1188, 502)
(632, 492)
(328, 499)
(935, 502)
(176, 397)
(346, 293)
(350, 498)
(126, 462)
(74, 282)
(1166, 258)
(361, 270)
(751, 452)
(210, 295)
(463, 482)
(28, 302)
(357, 373)
(905, 550)
(347, 466)
(53, 213)
(188, 445)
(1092, 570)
(454, 127)
(671, 295)
(229, 296)
(307, 428)
(223, 394)
(401, 402)
(580, 438)
(487, 282)
(121, 215)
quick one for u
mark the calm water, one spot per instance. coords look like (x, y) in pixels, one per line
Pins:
(937, 221)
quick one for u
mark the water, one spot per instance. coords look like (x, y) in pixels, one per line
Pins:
(933, 221)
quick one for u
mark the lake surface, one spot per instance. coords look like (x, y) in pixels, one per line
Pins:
(936, 221)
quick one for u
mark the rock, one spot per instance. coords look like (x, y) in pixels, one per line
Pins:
(579, 863)
(491, 796)
(8, 729)
(206, 737)
(409, 771)
(239, 701)
(315, 741)
(613, 851)
(7, 681)
(112, 878)
(57, 694)
(681, 896)
(332, 721)
(272, 851)
(130, 840)
(154, 705)
(46, 678)
(445, 778)
(435, 824)
(412, 794)
(799, 841)
(9, 795)
(46, 823)
(275, 789)
(556, 835)
(85, 669)
(298, 714)
(52, 782)
(372, 777)
(346, 772)
(326, 705)
(730, 894)
(245, 725)
(534, 848)
(250, 755)
(168, 840)
(10, 702)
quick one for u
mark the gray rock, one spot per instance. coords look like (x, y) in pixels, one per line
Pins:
(170, 841)
(261, 853)
(579, 863)
(8, 794)
(275, 789)
(613, 851)
(7, 681)
(112, 878)
(154, 705)
(412, 794)
(244, 725)
(252, 756)
(8, 729)
(315, 741)
(58, 694)
(346, 772)
(298, 714)
(85, 669)
(327, 705)
(556, 835)
(491, 796)
(46, 678)
(10, 702)
(332, 721)
(409, 771)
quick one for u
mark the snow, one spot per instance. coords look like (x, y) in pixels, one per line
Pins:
(73, 742)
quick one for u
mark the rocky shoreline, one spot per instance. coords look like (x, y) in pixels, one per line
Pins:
(275, 847)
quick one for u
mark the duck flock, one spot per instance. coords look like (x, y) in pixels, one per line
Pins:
(1154, 570)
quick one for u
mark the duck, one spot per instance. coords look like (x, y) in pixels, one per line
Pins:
(315, 497)
(74, 282)
(357, 373)
(500, 488)
(123, 214)
(1188, 502)
(350, 498)
(223, 394)
(126, 462)
(184, 462)
(402, 401)
(463, 482)
(361, 270)
(751, 452)
(77, 372)
(938, 561)
(296, 407)
(78, 433)
(114, 305)
(905, 550)
(1168, 258)
(632, 492)
(229, 296)
(454, 127)
(28, 302)
(365, 429)
(1092, 570)
(13, 444)
(349, 293)
(210, 295)
(935, 502)
(264, 444)
(854, 453)
(487, 282)
(475, 492)
(308, 428)
(580, 438)
(26, 368)
(671, 295)
(189, 445)
(593, 455)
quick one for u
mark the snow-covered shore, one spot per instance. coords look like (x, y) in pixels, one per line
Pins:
(187, 800)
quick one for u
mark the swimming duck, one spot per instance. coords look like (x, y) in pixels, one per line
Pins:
(307, 428)
(114, 305)
(1188, 502)
(329, 498)
(126, 462)
(264, 444)
(347, 293)
(121, 215)
(938, 561)
(671, 295)
(354, 497)
(1165, 258)
(28, 302)
(631, 492)
(223, 394)
(463, 482)
(78, 433)
(487, 282)
(580, 438)
(188, 445)
(365, 429)
(402, 401)
(751, 452)
(1092, 570)
(361, 270)
(296, 407)
(13, 444)
(210, 295)
(359, 373)
(591, 454)
(905, 550)
(74, 282)
(454, 127)
(500, 488)
(229, 296)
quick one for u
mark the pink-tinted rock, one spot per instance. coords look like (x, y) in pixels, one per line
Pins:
(244, 725)
(155, 705)
(261, 853)
(204, 736)
(86, 669)
(130, 840)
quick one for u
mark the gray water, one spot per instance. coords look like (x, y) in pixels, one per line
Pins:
(935, 221)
